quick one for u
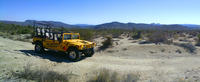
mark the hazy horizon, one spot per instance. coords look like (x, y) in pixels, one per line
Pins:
(102, 11)
(97, 24)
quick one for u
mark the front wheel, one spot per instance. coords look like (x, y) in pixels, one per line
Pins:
(89, 53)
(74, 55)
(39, 48)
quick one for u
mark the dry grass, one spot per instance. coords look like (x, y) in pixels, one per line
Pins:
(40, 75)
(185, 80)
(46, 75)
(106, 75)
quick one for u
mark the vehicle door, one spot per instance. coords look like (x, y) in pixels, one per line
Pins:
(50, 42)
(57, 43)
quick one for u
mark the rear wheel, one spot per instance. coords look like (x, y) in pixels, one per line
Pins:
(89, 53)
(39, 48)
(74, 54)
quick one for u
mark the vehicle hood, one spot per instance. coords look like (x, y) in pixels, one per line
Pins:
(78, 42)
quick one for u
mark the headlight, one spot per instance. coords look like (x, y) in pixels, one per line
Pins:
(94, 44)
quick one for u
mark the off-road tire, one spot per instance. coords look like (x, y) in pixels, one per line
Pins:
(39, 48)
(89, 53)
(76, 54)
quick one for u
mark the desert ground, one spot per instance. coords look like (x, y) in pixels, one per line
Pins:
(153, 63)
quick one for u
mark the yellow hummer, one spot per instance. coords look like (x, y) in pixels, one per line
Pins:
(69, 43)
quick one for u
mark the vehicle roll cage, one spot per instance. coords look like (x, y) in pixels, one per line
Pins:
(44, 30)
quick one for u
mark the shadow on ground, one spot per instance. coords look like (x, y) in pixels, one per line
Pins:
(51, 55)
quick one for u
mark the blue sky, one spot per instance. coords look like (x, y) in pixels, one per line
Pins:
(103, 11)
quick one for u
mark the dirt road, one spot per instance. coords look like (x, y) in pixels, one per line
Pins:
(152, 62)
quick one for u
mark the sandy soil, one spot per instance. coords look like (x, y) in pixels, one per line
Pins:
(154, 63)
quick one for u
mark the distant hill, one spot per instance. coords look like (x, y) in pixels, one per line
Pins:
(111, 25)
(119, 25)
(83, 25)
(192, 26)
(32, 22)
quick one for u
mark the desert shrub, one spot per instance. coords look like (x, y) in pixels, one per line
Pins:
(198, 40)
(40, 75)
(131, 77)
(103, 76)
(178, 51)
(145, 42)
(198, 36)
(16, 29)
(106, 43)
(16, 32)
(106, 75)
(175, 36)
(114, 32)
(136, 34)
(89, 34)
(187, 46)
(86, 34)
(158, 37)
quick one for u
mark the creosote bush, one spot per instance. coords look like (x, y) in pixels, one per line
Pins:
(159, 37)
(107, 43)
(136, 34)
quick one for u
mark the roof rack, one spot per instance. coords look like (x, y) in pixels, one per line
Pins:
(44, 30)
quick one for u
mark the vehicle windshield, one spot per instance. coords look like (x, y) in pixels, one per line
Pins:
(75, 36)
(69, 36)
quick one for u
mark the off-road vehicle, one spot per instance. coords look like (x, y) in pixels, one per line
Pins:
(69, 43)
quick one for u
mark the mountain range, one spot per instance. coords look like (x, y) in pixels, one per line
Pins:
(38, 23)
(111, 25)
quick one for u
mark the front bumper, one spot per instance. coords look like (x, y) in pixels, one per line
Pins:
(85, 47)
(86, 50)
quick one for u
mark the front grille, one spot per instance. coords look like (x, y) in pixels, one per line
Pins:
(89, 46)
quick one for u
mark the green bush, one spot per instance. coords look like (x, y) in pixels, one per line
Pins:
(13, 29)
(86, 34)
(136, 34)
